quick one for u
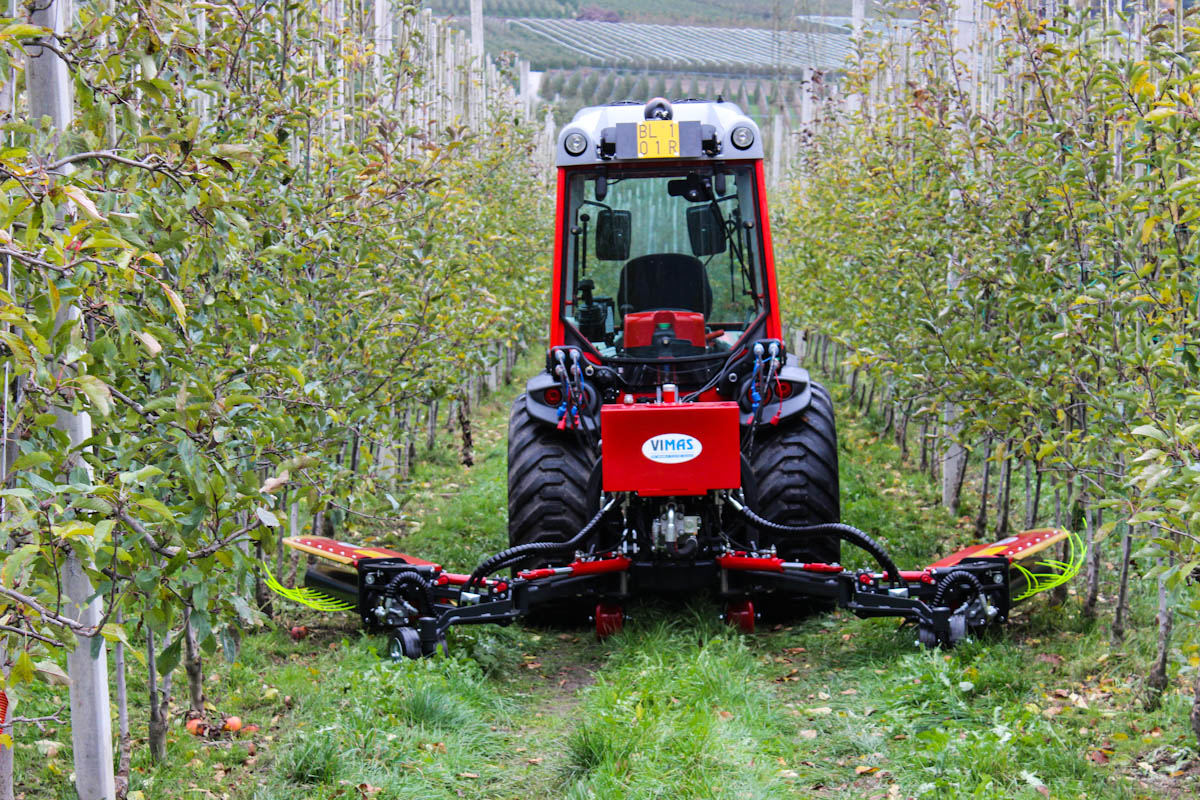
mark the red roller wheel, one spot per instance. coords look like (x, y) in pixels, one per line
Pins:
(610, 618)
(740, 614)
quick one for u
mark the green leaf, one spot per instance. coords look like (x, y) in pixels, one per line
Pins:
(1151, 431)
(176, 305)
(97, 392)
(51, 673)
(168, 659)
(155, 505)
(23, 30)
(23, 669)
(33, 459)
(15, 563)
(84, 203)
(1161, 113)
(103, 532)
(140, 476)
(266, 517)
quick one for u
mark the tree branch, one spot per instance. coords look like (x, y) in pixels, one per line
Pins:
(32, 635)
(48, 615)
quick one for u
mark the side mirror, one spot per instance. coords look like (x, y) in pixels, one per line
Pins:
(612, 235)
(705, 232)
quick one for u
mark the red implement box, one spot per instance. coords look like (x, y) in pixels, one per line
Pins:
(666, 449)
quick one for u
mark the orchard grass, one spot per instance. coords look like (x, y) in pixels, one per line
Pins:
(677, 705)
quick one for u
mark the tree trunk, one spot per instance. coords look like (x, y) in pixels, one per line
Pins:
(293, 512)
(262, 595)
(924, 444)
(1118, 626)
(902, 433)
(982, 517)
(1058, 595)
(1091, 595)
(1156, 681)
(193, 664)
(1028, 470)
(1195, 715)
(1037, 496)
(404, 455)
(954, 466)
(464, 423)
(159, 703)
(124, 743)
(1005, 494)
(431, 425)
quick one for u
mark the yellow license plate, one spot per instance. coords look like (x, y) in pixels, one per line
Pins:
(658, 138)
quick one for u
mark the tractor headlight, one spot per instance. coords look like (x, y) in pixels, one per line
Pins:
(742, 137)
(575, 143)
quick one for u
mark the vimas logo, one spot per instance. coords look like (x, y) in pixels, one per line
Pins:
(671, 448)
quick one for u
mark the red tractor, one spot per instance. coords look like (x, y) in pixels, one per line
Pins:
(672, 445)
(667, 380)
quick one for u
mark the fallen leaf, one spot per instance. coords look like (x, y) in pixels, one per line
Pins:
(863, 769)
(48, 747)
(808, 734)
(725, 715)
(467, 775)
(1049, 658)
(1098, 756)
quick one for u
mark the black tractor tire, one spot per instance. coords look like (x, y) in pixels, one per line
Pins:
(796, 468)
(548, 482)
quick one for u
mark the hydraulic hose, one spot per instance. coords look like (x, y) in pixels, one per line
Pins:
(411, 578)
(846, 533)
(953, 580)
(515, 555)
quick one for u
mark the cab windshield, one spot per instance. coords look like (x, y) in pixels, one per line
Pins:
(663, 263)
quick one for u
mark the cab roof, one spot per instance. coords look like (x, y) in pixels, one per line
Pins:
(703, 132)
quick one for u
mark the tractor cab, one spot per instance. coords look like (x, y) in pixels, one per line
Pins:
(663, 248)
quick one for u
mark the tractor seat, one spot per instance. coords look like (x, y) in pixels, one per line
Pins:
(664, 280)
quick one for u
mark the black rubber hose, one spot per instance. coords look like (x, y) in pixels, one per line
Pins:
(846, 533)
(515, 555)
(413, 579)
(949, 581)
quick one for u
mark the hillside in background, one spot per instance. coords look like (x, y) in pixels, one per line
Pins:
(721, 13)
(585, 53)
